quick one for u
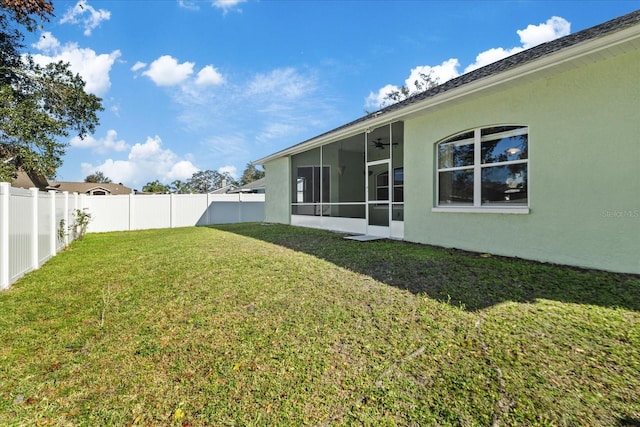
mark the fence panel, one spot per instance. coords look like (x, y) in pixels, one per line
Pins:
(252, 212)
(151, 211)
(20, 241)
(108, 213)
(189, 210)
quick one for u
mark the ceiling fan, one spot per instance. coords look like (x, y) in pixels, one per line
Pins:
(377, 143)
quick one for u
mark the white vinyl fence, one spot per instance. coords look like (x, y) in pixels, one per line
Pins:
(33, 228)
(34, 225)
(146, 211)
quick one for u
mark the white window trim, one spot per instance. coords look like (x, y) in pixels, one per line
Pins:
(477, 167)
(489, 210)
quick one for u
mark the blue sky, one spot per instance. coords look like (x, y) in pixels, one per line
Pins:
(193, 85)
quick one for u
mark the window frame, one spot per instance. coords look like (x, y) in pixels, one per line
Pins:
(477, 167)
(382, 188)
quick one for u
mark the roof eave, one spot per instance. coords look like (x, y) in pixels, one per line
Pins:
(547, 62)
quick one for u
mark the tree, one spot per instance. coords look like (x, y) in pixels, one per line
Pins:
(155, 187)
(39, 105)
(422, 83)
(180, 187)
(98, 177)
(22, 11)
(208, 181)
(251, 173)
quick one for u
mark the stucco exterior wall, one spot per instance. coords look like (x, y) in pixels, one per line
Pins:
(278, 191)
(584, 169)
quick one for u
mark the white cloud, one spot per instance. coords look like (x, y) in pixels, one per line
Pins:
(274, 131)
(531, 36)
(280, 103)
(93, 68)
(378, 99)
(47, 43)
(268, 108)
(182, 170)
(227, 5)
(534, 35)
(285, 82)
(492, 55)
(231, 170)
(443, 72)
(166, 71)
(187, 4)
(209, 76)
(230, 147)
(101, 145)
(84, 14)
(146, 162)
(138, 66)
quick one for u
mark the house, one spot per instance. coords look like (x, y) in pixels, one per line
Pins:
(226, 188)
(534, 156)
(90, 188)
(254, 187)
(29, 179)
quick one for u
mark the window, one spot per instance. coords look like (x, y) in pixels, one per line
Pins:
(308, 189)
(486, 167)
(398, 185)
(382, 186)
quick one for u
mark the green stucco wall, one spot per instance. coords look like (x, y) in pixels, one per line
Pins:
(584, 169)
(278, 191)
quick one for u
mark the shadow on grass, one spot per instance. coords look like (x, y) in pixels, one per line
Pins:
(461, 278)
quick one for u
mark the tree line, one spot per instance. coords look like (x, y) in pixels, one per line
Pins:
(200, 182)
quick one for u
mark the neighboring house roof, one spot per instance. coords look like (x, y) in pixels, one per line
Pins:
(90, 188)
(252, 187)
(29, 180)
(224, 190)
(535, 59)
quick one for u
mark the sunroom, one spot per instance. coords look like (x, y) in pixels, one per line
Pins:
(355, 184)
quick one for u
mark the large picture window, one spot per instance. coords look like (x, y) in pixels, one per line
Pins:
(484, 167)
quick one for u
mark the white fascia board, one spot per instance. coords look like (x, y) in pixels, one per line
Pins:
(545, 63)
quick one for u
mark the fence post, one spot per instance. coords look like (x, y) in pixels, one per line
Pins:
(72, 216)
(131, 211)
(239, 208)
(209, 209)
(65, 217)
(5, 194)
(52, 224)
(171, 210)
(34, 228)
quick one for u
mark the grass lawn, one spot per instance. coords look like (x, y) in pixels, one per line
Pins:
(273, 325)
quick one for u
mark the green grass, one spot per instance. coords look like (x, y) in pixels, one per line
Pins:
(274, 325)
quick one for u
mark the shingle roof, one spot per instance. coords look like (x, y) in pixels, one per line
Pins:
(29, 179)
(252, 186)
(524, 56)
(86, 187)
(508, 63)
